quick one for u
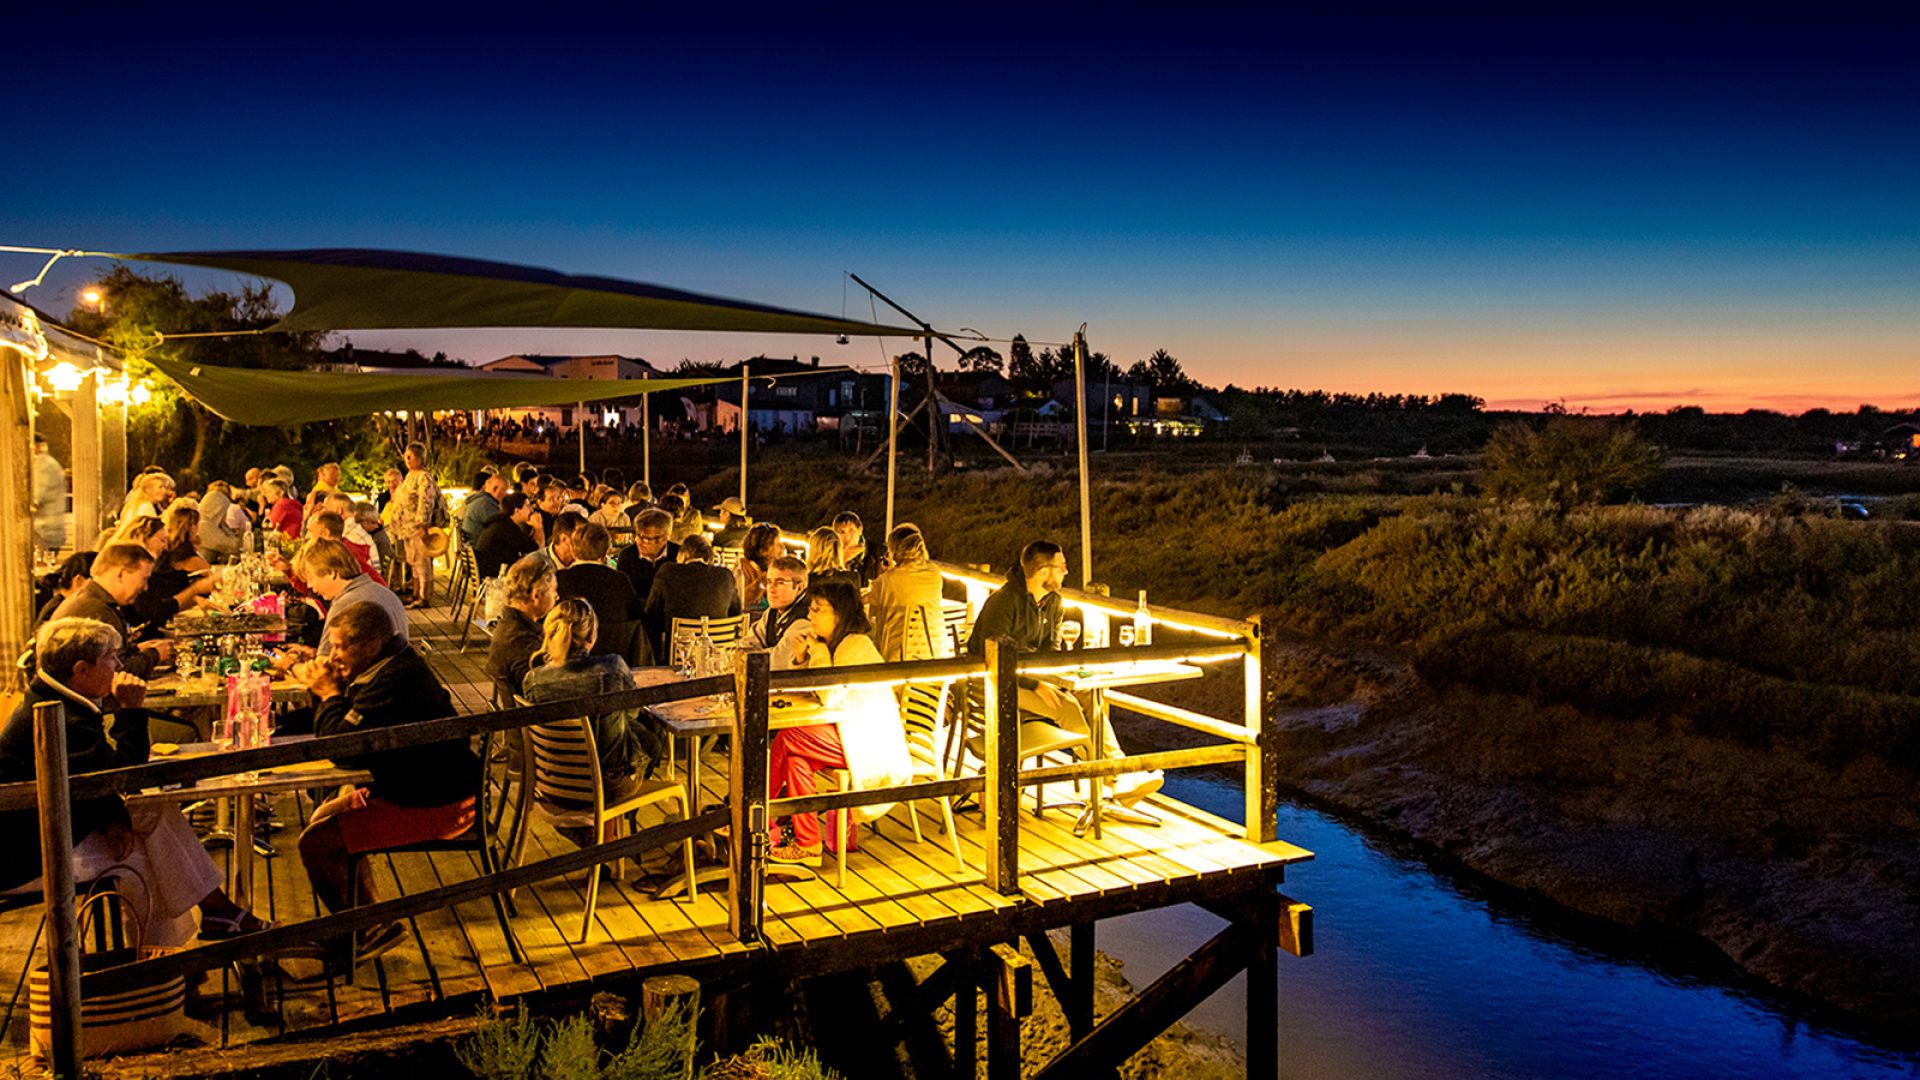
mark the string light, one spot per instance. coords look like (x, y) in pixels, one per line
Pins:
(64, 377)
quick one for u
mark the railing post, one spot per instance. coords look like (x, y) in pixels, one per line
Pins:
(1002, 799)
(56, 878)
(752, 673)
(1263, 757)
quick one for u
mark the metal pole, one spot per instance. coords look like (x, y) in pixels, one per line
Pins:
(743, 433)
(1106, 407)
(1080, 423)
(56, 877)
(893, 433)
(580, 417)
(646, 438)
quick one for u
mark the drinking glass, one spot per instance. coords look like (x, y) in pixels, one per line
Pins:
(1069, 634)
(224, 734)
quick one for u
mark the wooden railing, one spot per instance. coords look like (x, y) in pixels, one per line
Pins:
(750, 810)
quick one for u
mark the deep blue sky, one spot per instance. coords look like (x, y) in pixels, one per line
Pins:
(1615, 209)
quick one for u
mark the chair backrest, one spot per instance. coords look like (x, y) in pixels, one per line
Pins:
(922, 706)
(729, 557)
(959, 620)
(920, 640)
(565, 763)
(724, 631)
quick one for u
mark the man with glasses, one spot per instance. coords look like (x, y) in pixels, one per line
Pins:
(649, 551)
(1027, 609)
(784, 628)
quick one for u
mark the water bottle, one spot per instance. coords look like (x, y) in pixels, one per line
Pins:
(1142, 622)
(705, 649)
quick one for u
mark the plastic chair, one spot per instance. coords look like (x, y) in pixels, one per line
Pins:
(568, 790)
(725, 630)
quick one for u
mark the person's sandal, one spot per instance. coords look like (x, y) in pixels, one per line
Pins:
(795, 855)
(225, 928)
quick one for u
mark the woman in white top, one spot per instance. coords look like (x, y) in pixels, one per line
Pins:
(864, 734)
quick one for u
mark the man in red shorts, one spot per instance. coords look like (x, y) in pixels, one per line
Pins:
(371, 679)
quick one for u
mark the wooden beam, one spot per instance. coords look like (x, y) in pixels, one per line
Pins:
(1011, 1001)
(1186, 718)
(748, 795)
(839, 800)
(1140, 1021)
(1080, 960)
(87, 511)
(966, 1013)
(1002, 799)
(56, 879)
(982, 432)
(1262, 780)
(1263, 987)
(16, 523)
(1159, 759)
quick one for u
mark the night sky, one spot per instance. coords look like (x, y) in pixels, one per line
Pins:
(1617, 211)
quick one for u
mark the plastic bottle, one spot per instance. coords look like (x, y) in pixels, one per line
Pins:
(1142, 622)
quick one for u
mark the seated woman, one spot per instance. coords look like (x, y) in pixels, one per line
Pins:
(168, 593)
(823, 559)
(78, 664)
(864, 735)
(566, 668)
(757, 552)
(69, 576)
(905, 600)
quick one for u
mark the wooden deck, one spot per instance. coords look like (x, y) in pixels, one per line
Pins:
(901, 898)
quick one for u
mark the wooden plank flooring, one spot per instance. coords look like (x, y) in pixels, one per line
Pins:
(455, 958)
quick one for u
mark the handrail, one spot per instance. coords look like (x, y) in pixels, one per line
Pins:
(1175, 617)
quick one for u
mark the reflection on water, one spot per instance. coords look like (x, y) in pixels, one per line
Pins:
(1414, 977)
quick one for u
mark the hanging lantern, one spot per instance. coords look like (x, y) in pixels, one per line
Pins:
(64, 377)
(139, 395)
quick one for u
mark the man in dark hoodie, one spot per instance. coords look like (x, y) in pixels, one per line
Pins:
(1027, 609)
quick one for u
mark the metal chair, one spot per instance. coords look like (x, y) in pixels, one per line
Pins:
(568, 789)
(1038, 739)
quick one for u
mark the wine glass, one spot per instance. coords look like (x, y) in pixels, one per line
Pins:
(224, 732)
(1069, 634)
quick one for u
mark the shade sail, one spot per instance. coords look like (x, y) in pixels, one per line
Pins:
(359, 289)
(253, 396)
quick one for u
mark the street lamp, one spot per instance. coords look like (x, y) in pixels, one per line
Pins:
(92, 297)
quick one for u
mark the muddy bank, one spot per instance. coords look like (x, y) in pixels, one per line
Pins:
(1808, 878)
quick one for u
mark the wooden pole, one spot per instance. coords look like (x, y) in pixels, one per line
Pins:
(743, 433)
(56, 876)
(580, 418)
(966, 1012)
(85, 405)
(646, 438)
(16, 521)
(1012, 999)
(893, 434)
(1079, 1004)
(1263, 987)
(1002, 799)
(936, 420)
(1262, 780)
(1080, 426)
(752, 673)
(663, 993)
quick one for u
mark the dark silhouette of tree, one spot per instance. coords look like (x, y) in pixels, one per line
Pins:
(982, 358)
(913, 365)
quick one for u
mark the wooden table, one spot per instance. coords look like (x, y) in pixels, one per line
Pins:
(1095, 681)
(240, 790)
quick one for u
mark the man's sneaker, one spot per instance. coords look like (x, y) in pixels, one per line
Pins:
(795, 855)
(1130, 788)
(375, 942)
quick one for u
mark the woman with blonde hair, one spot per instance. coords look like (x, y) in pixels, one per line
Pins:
(823, 558)
(905, 600)
(566, 669)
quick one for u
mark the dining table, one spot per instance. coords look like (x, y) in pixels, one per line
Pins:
(1094, 680)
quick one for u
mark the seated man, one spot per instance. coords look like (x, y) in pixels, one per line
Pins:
(506, 538)
(77, 663)
(120, 574)
(482, 506)
(333, 573)
(689, 589)
(865, 563)
(1027, 609)
(649, 551)
(531, 593)
(608, 592)
(371, 679)
(783, 628)
(559, 549)
(353, 532)
(734, 522)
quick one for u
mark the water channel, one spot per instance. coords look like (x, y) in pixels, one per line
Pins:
(1420, 974)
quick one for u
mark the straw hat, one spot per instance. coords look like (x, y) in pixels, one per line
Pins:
(436, 539)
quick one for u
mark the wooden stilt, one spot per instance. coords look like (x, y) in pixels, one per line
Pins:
(751, 841)
(1012, 999)
(1263, 987)
(966, 1013)
(1002, 801)
(1079, 1008)
(663, 993)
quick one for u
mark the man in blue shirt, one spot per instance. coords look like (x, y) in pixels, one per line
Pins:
(482, 506)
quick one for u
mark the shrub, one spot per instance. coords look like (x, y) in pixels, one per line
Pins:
(1567, 461)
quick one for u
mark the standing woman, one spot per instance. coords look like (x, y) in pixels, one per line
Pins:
(414, 503)
(905, 600)
(863, 732)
